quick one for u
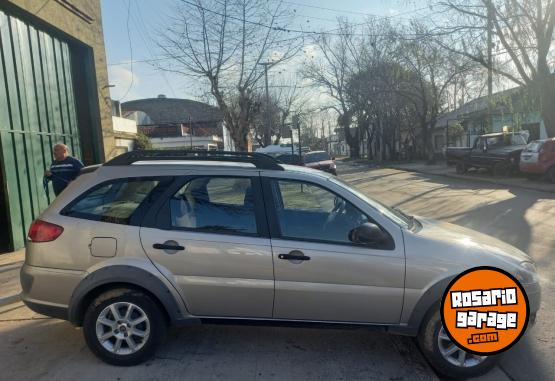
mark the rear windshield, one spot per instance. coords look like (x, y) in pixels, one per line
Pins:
(114, 201)
(316, 156)
(534, 146)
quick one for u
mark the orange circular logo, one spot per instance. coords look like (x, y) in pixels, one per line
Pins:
(485, 310)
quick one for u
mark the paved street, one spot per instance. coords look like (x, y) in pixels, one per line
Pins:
(33, 347)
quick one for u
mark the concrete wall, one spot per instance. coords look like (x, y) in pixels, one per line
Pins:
(184, 142)
(124, 125)
(82, 21)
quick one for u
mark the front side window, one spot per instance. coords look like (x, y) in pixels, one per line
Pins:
(215, 204)
(310, 212)
(114, 201)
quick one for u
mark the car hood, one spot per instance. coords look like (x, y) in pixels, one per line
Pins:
(325, 163)
(465, 246)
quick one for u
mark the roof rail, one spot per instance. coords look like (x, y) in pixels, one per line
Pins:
(259, 160)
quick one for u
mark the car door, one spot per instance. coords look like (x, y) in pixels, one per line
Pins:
(478, 155)
(320, 275)
(210, 237)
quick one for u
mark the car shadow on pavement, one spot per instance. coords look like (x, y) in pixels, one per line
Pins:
(52, 349)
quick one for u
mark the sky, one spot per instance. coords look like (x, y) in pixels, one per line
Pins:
(132, 39)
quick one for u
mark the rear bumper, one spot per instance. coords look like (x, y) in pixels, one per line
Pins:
(48, 291)
(537, 168)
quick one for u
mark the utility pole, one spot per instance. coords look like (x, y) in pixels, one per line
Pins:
(490, 65)
(268, 118)
(191, 131)
(296, 123)
(299, 132)
(329, 136)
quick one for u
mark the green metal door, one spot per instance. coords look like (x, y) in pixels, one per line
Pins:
(37, 110)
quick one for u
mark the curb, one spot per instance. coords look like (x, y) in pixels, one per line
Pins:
(462, 177)
(4, 301)
(11, 266)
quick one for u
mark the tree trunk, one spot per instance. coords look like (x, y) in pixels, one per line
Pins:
(547, 101)
(352, 141)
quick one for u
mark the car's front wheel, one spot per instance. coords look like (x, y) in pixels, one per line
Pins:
(445, 356)
(124, 327)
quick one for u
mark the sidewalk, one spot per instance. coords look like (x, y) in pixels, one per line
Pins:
(443, 170)
(10, 289)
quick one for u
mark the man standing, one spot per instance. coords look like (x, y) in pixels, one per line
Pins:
(63, 169)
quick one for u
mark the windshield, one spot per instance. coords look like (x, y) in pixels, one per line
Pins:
(506, 140)
(316, 156)
(395, 215)
(534, 146)
(517, 139)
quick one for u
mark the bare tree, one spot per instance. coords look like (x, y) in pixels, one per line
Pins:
(338, 56)
(522, 33)
(223, 42)
(432, 70)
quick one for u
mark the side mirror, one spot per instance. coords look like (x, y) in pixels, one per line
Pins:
(368, 234)
(333, 158)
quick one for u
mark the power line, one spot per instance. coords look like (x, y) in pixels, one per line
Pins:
(278, 28)
(337, 10)
(130, 51)
(140, 20)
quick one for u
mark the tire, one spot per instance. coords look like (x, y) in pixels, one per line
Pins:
(146, 335)
(550, 174)
(500, 169)
(429, 342)
(461, 168)
(532, 176)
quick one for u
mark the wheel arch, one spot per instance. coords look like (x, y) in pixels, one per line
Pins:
(123, 276)
(430, 300)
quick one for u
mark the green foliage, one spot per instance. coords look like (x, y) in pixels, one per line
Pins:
(456, 130)
(142, 142)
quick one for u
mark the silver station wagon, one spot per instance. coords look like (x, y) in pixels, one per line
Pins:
(155, 238)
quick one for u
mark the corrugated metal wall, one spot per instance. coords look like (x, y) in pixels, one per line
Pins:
(37, 110)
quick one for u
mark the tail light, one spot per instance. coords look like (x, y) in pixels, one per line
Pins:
(42, 231)
(542, 156)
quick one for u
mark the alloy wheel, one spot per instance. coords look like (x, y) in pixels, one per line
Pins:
(454, 355)
(122, 328)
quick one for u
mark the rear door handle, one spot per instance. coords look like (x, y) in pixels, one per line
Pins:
(165, 246)
(295, 255)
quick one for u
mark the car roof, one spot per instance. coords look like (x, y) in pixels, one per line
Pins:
(495, 134)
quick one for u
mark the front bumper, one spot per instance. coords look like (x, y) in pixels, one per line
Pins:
(48, 291)
(533, 292)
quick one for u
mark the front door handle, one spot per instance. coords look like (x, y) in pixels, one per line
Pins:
(168, 246)
(294, 255)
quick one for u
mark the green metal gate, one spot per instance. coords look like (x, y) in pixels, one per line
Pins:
(37, 110)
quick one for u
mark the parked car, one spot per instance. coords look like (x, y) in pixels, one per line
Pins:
(153, 238)
(498, 152)
(538, 159)
(292, 159)
(320, 160)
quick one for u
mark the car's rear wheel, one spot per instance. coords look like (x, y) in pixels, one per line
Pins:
(550, 175)
(124, 327)
(501, 169)
(445, 356)
(461, 168)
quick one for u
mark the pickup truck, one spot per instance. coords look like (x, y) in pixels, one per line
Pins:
(498, 152)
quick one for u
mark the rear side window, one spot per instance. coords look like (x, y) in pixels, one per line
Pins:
(114, 201)
(216, 205)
